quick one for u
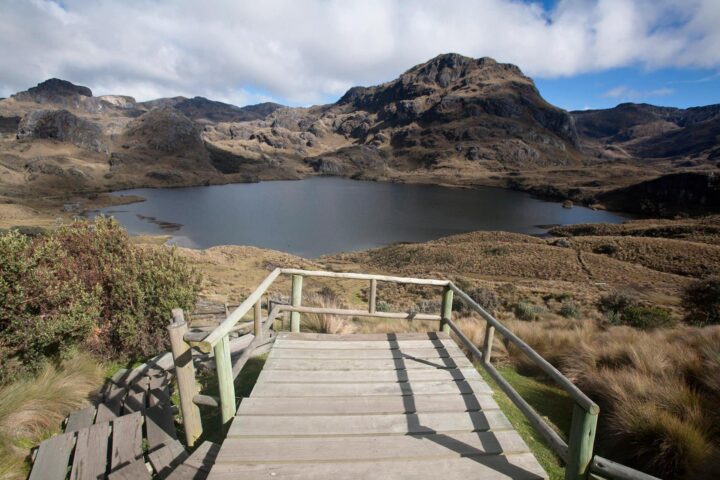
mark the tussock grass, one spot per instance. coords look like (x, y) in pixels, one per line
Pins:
(324, 323)
(34, 408)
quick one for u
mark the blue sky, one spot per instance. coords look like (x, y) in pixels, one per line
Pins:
(581, 53)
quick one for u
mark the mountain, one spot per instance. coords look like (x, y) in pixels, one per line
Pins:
(647, 131)
(452, 120)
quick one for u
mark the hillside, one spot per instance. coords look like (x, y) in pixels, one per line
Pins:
(453, 120)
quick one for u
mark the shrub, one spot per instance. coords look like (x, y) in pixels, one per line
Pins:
(527, 311)
(702, 301)
(86, 283)
(569, 309)
(606, 249)
(646, 318)
(485, 297)
(382, 306)
(615, 302)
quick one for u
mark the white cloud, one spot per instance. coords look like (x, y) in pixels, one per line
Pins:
(623, 92)
(311, 50)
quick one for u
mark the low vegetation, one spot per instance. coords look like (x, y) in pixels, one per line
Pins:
(85, 285)
(33, 409)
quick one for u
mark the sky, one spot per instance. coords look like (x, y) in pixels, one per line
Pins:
(581, 53)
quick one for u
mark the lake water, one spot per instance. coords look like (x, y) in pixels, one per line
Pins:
(324, 215)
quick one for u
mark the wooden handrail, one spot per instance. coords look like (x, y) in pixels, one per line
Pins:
(577, 453)
(572, 390)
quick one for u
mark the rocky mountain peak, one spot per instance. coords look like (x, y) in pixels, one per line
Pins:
(55, 87)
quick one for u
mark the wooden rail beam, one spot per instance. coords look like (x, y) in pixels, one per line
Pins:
(361, 313)
(297, 281)
(185, 374)
(226, 383)
(446, 309)
(372, 299)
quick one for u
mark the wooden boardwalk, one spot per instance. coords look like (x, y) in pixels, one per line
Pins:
(376, 406)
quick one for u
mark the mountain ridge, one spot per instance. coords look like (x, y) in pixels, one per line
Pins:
(453, 120)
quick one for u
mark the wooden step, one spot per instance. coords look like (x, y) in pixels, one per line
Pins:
(53, 455)
(280, 425)
(197, 466)
(126, 440)
(356, 405)
(90, 459)
(365, 389)
(492, 467)
(166, 458)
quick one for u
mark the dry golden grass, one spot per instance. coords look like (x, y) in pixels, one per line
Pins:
(324, 323)
(33, 409)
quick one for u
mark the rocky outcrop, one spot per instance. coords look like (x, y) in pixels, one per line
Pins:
(53, 90)
(63, 126)
(164, 130)
(200, 108)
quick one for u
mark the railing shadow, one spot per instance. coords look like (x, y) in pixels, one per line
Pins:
(479, 422)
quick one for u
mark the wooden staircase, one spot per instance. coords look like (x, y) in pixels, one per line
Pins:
(129, 434)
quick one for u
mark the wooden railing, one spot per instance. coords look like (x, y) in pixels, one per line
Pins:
(576, 453)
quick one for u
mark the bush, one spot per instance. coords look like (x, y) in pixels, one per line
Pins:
(527, 311)
(615, 302)
(569, 309)
(702, 302)
(646, 318)
(484, 297)
(86, 284)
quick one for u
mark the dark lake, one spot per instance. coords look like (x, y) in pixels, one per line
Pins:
(325, 215)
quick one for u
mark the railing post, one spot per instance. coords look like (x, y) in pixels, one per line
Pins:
(185, 374)
(372, 300)
(257, 319)
(226, 382)
(297, 281)
(580, 443)
(447, 301)
(488, 342)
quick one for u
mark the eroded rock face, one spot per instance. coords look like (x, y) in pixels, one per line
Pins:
(63, 126)
(165, 130)
(53, 90)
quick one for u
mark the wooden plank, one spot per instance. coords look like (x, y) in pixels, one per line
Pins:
(126, 440)
(80, 419)
(494, 467)
(361, 337)
(364, 364)
(160, 426)
(282, 425)
(166, 458)
(374, 447)
(114, 399)
(90, 459)
(365, 389)
(106, 413)
(136, 470)
(359, 376)
(53, 455)
(409, 353)
(198, 466)
(366, 345)
(366, 405)
(365, 276)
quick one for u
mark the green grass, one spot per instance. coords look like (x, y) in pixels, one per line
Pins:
(549, 401)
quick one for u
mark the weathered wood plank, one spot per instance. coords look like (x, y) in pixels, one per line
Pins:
(279, 425)
(366, 405)
(365, 389)
(495, 467)
(198, 465)
(80, 419)
(106, 413)
(361, 337)
(375, 447)
(126, 440)
(165, 459)
(51, 462)
(160, 426)
(359, 376)
(405, 353)
(366, 345)
(90, 460)
(364, 364)
(136, 470)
